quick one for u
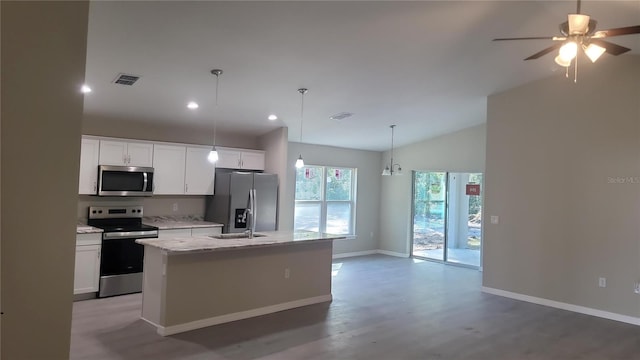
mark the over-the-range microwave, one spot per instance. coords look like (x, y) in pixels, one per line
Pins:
(125, 181)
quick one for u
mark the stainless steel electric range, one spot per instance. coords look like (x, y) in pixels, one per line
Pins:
(121, 259)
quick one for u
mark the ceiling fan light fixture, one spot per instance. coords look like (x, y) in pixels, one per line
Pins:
(568, 51)
(578, 24)
(593, 51)
(560, 61)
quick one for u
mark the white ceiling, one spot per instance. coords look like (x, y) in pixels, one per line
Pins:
(426, 66)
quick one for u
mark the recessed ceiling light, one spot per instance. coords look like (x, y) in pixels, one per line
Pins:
(272, 117)
(85, 89)
(192, 105)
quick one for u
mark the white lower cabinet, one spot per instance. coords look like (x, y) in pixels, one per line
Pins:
(86, 277)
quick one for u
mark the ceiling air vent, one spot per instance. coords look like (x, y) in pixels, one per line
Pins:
(126, 79)
(340, 116)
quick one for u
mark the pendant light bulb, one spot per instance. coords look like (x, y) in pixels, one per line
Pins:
(299, 162)
(213, 155)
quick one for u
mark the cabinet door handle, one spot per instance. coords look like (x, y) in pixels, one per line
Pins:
(95, 186)
(186, 188)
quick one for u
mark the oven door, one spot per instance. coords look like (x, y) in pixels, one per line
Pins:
(121, 256)
(125, 181)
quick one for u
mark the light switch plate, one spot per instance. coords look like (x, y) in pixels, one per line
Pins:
(495, 219)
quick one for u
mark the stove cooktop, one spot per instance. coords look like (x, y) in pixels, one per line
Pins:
(125, 228)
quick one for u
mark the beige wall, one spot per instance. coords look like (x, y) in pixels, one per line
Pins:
(563, 174)
(368, 190)
(145, 130)
(276, 143)
(43, 64)
(159, 205)
(462, 151)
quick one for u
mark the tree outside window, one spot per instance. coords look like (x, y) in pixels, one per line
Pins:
(325, 200)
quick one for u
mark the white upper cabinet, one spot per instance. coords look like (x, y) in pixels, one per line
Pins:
(88, 177)
(180, 169)
(252, 160)
(200, 173)
(126, 153)
(169, 165)
(231, 158)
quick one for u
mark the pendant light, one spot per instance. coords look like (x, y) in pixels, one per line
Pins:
(213, 154)
(390, 169)
(302, 91)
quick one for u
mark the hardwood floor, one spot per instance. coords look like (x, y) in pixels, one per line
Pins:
(383, 308)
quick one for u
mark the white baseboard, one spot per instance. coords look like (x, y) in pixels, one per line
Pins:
(355, 253)
(370, 252)
(564, 306)
(393, 253)
(175, 329)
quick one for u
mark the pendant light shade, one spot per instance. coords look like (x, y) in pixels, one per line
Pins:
(391, 168)
(302, 91)
(213, 154)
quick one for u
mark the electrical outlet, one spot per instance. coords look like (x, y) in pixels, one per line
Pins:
(602, 282)
(174, 207)
(286, 273)
(636, 287)
(495, 219)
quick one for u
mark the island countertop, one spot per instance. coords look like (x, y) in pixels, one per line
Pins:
(186, 245)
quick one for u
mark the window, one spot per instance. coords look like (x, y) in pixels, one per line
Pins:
(325, 199)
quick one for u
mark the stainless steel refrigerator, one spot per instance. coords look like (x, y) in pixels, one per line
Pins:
(231, 200)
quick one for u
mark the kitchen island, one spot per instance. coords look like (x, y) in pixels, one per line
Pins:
(194, 282)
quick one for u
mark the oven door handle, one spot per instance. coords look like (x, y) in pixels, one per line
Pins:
(130, 234)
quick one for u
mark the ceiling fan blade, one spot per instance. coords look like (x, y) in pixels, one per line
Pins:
(612, 48)
(544, 52)
(617, 31)
(527, 38)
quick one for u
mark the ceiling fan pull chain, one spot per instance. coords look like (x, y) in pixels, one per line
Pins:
(575, 73)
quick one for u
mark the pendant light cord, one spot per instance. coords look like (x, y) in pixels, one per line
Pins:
(217, 73)
(302, 91)
(392, 130)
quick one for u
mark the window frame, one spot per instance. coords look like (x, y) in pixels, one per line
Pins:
(323, 197)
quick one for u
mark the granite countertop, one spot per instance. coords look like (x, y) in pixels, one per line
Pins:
(83, 228)
(186, 245)
(178, 222)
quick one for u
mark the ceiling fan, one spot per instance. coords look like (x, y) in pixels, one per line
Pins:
(579, 31)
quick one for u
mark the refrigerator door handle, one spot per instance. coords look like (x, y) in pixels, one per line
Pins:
(253, 210)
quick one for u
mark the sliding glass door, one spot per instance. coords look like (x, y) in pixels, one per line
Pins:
(447, 213)
(429, 189)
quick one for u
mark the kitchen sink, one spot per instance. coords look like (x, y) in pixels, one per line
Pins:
(235, 236)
